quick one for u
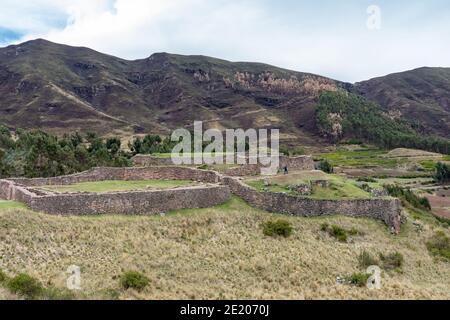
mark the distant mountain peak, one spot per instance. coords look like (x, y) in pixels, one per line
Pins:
(58, 88)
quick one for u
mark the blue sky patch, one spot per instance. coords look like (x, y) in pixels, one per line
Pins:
(7, 35)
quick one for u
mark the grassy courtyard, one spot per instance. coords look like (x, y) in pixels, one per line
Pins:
(339, 187)
(118, 185)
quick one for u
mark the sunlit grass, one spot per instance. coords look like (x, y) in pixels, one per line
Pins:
(361, 158)
(216, 253)
(10, 205)
(339, 187)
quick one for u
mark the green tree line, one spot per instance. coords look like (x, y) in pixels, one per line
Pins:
(40, 154)
(342, 116)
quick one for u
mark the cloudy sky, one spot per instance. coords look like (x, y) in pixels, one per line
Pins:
(349, 40)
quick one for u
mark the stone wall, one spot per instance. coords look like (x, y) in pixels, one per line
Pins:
(132, 203)
(243, 171)
(305, 163)
(5, 189)
(151, 202)
(387, 210)
(151, 161)
(136, 202)
(102, 174)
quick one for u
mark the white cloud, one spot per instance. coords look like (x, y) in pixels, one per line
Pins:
(235, 30)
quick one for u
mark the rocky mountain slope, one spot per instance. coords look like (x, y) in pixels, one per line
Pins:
(60, 88)
(57, 88)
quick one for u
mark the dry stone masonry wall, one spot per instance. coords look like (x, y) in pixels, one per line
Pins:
(218, 191)
(132, 203)
(305, 163)
(387, 210)
(137, 202)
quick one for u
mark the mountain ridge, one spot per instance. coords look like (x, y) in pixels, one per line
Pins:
(57, 88)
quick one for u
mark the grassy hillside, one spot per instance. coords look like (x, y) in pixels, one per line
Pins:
(217, 253)
(118, 186)
(69, 88)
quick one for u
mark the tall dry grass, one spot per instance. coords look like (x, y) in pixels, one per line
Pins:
(217, 253)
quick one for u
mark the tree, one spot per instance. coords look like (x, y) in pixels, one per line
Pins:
(39, 154)
(442, 173)
(343, 115)
(326, 166)
(113, 145)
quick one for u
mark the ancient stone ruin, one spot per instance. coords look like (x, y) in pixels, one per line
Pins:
(215, 189)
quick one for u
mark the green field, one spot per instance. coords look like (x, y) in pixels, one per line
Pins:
(11, 205)
(361, 158)
(116, 186)
(340, 187)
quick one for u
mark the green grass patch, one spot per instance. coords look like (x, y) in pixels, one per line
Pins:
(392, 261)
(339, 188)
(3, 277)
(339, 233)
(4, 204)
(361, 158)
(25, 286)
(359, 279)
(429, 165)
(118, 185)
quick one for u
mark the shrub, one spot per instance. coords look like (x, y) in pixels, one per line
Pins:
(392, 261)
(439, 245)
(26, 286)
(359, 279)
(326, 166)
(366, 260)
(409, 196)
(280, 227)
(442, 173)
(134, 280)
(324, 227)
(339, 233)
